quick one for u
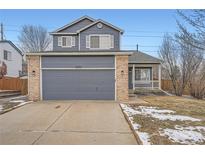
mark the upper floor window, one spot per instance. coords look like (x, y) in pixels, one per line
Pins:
(102, 41)
(66, 41)
(7, 55)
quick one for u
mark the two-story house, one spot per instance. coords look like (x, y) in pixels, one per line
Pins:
(11, 57)
(86, 63)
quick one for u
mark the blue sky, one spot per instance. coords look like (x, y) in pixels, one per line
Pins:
(142, 27)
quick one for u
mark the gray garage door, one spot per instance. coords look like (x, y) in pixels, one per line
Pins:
(78, 78)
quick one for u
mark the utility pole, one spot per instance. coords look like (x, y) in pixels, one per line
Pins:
(2, 32)
(137, 47)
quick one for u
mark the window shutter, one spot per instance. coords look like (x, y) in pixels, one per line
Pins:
(59, 41)
(111, 41)
(87, 41)
(73, 40)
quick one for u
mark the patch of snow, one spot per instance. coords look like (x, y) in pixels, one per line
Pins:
(173, 117)
(150, 110)
(1, 108)
(196, 128)
(17, 101)
(144, 137)
(23, 103)
(155, 112)
(129, 110)
(184, 135)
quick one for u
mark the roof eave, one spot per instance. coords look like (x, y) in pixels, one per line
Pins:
(77, 53)
(106, 23)
(74, 22)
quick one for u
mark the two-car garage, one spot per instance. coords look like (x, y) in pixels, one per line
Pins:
(78, 77)
(82, 75)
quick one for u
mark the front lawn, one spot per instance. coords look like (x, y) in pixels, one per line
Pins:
(168, 120)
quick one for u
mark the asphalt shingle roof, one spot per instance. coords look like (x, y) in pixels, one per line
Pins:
(143, 58)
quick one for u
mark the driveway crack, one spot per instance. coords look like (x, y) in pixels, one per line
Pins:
(53, 123)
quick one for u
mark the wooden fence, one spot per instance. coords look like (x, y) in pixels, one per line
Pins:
(9, 83)
(167, 86)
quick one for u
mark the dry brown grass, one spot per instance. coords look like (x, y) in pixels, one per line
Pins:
(183, 106)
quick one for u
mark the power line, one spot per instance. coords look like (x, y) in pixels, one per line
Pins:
(156, 36)
(142, 31)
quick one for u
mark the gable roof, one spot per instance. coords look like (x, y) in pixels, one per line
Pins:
(102, 21)
(143, 58)
(72, 23)
(15, 47)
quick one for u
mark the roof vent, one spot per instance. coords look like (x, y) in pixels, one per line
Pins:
(99, 25)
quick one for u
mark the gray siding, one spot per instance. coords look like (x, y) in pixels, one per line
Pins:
(91, 30)
(77, 26)
(58, 48)
(104, 30)
(78, 62)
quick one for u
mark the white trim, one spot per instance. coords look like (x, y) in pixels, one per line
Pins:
(63, 33)
(120, 46)
(102, 21)
(79, 42)
(87, 41)
(28, 75)
(115, 79)
(60, 41)
(73, 41)
(159, 76)
(41, 86)
(100, 35)
(152, 78)
(78, 53)
(133, 77)
(106, 68)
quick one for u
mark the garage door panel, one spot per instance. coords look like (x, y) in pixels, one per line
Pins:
(78, 84)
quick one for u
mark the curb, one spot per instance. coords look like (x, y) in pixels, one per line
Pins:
(132, 128)
(15, 107)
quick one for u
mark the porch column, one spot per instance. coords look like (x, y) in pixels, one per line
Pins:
(152, 78)
(159, 78)
(133, 77)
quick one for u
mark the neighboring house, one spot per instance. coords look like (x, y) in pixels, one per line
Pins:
(12, 57)
(86, 63)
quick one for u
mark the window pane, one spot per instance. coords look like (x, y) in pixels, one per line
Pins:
(68, 41)
(105, 42)
(142, 74)
(94, 42)
(137, 74)
(63, 41)
(145, 74)
(5, 55)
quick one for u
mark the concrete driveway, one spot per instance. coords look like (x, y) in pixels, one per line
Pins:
(66, 122)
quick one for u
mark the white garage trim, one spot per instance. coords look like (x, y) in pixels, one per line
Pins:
(115, 81)
(77, 68)
(41, 92)
(73, 68)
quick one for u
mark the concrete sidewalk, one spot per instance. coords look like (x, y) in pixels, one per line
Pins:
(66, 122)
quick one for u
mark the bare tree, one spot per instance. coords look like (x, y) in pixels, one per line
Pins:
(34, 38)
(196, 19)
(169, 56)
(3, 70)
(194, 45)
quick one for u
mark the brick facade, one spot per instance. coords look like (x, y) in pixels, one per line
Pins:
(122, 78)
(33, 77)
